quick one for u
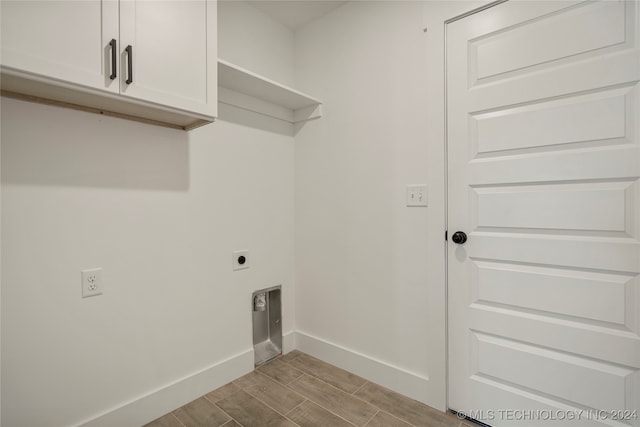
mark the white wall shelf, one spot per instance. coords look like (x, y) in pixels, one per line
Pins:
(247, 90)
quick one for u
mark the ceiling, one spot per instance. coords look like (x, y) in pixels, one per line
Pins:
(297, 13)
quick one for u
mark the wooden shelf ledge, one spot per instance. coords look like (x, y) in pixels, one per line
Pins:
(247, 90)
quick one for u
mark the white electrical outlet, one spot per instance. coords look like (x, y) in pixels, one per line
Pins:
(240, 259)
(91, 282)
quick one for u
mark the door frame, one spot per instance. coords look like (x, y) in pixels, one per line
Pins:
(436, 16)
(446, 185)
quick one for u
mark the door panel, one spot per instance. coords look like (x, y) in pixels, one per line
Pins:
(581, 206)
(576, 378)
(602, 295)
(602, 116)
(543, 175)
(594, 25)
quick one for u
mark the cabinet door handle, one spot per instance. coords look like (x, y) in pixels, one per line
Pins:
(114, 56)
(129, 50)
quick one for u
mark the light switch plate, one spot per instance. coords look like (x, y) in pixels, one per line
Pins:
(417, 195)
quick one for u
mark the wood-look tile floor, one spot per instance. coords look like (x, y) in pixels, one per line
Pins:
(299, 390)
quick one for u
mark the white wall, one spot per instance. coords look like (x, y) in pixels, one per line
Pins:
(369, 270)
(252, 40)
(160, 211)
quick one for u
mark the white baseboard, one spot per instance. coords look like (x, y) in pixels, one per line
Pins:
(288, 342)
(153, 405)
(397, 379)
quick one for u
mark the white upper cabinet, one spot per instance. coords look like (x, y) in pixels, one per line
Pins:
(169, 42)
(154, 60)
(64, 40)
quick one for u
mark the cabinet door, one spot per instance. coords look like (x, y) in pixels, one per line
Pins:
(63, 40)
(173, 53)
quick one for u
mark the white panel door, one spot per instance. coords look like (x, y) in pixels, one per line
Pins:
(173, 56)
(543, 131)
(67, 40)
